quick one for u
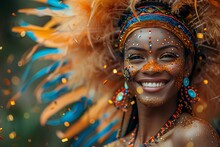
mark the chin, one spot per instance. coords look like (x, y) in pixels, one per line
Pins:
(155, 96)
(151, 101)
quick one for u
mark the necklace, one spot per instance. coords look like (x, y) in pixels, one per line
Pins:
(154, 139)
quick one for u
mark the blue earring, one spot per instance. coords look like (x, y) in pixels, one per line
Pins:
(189, 92)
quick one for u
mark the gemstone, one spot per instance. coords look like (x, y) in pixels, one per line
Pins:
(186, 82)
(119, 96)
(192, 93)
(126, 85)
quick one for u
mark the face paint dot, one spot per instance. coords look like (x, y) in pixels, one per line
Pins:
(157, 40)
(139, 90)
(139, 36)
(137, 44)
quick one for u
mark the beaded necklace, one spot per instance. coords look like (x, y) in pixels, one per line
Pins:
(154, 139)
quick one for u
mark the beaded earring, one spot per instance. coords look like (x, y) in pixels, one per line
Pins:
(122, 98)
(189, 92)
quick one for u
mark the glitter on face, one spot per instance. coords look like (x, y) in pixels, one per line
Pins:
(149, 41)
(162, 57)
(153, 66)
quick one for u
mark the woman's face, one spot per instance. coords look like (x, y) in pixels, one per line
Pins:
(154, 57)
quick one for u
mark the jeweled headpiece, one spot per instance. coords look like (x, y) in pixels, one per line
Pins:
(148, 15)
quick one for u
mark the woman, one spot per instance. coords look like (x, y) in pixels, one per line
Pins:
(157, 50)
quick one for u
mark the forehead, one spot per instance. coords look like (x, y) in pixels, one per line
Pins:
(157, 32)
(155, 37)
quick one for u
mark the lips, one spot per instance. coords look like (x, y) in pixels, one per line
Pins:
(153, 85)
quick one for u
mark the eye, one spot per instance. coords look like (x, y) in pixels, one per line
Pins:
(169, 56)
(135, 57)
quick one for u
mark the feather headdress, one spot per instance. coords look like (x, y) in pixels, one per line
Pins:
(79, 39)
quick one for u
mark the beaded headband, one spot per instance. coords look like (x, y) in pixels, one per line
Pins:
(157, 17)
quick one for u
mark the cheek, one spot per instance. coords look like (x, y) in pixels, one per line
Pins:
(176, 70)
(131, 68)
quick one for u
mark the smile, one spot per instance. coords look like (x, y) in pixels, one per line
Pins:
(153, 85)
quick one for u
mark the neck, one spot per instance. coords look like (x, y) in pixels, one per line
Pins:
(151, 119)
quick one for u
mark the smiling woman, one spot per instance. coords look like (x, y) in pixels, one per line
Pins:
(157, 63)
(155, 50)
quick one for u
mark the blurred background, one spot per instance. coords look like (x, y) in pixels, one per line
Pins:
(19, 125)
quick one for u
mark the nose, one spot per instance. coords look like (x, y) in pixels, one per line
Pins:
(152, 67)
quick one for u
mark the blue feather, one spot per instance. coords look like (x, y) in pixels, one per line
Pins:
(39, 74)
(57, 3)
(100, 134)
(38, 55)
(56, 80)
(52, 95)
(84, 134)
(76, 111)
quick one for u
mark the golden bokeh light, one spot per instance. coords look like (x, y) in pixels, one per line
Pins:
(12, 135)
(64, 140)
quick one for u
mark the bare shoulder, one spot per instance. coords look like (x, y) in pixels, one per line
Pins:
(122, 142)
(195, 132)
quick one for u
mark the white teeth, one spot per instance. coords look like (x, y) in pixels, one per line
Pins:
(152, 84)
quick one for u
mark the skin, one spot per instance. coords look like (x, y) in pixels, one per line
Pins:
(156, 55)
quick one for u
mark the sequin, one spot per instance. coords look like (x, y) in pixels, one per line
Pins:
(120, 96)
(186, 82)
(192, 93)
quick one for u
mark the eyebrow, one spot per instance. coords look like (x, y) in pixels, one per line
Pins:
(160, 48)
